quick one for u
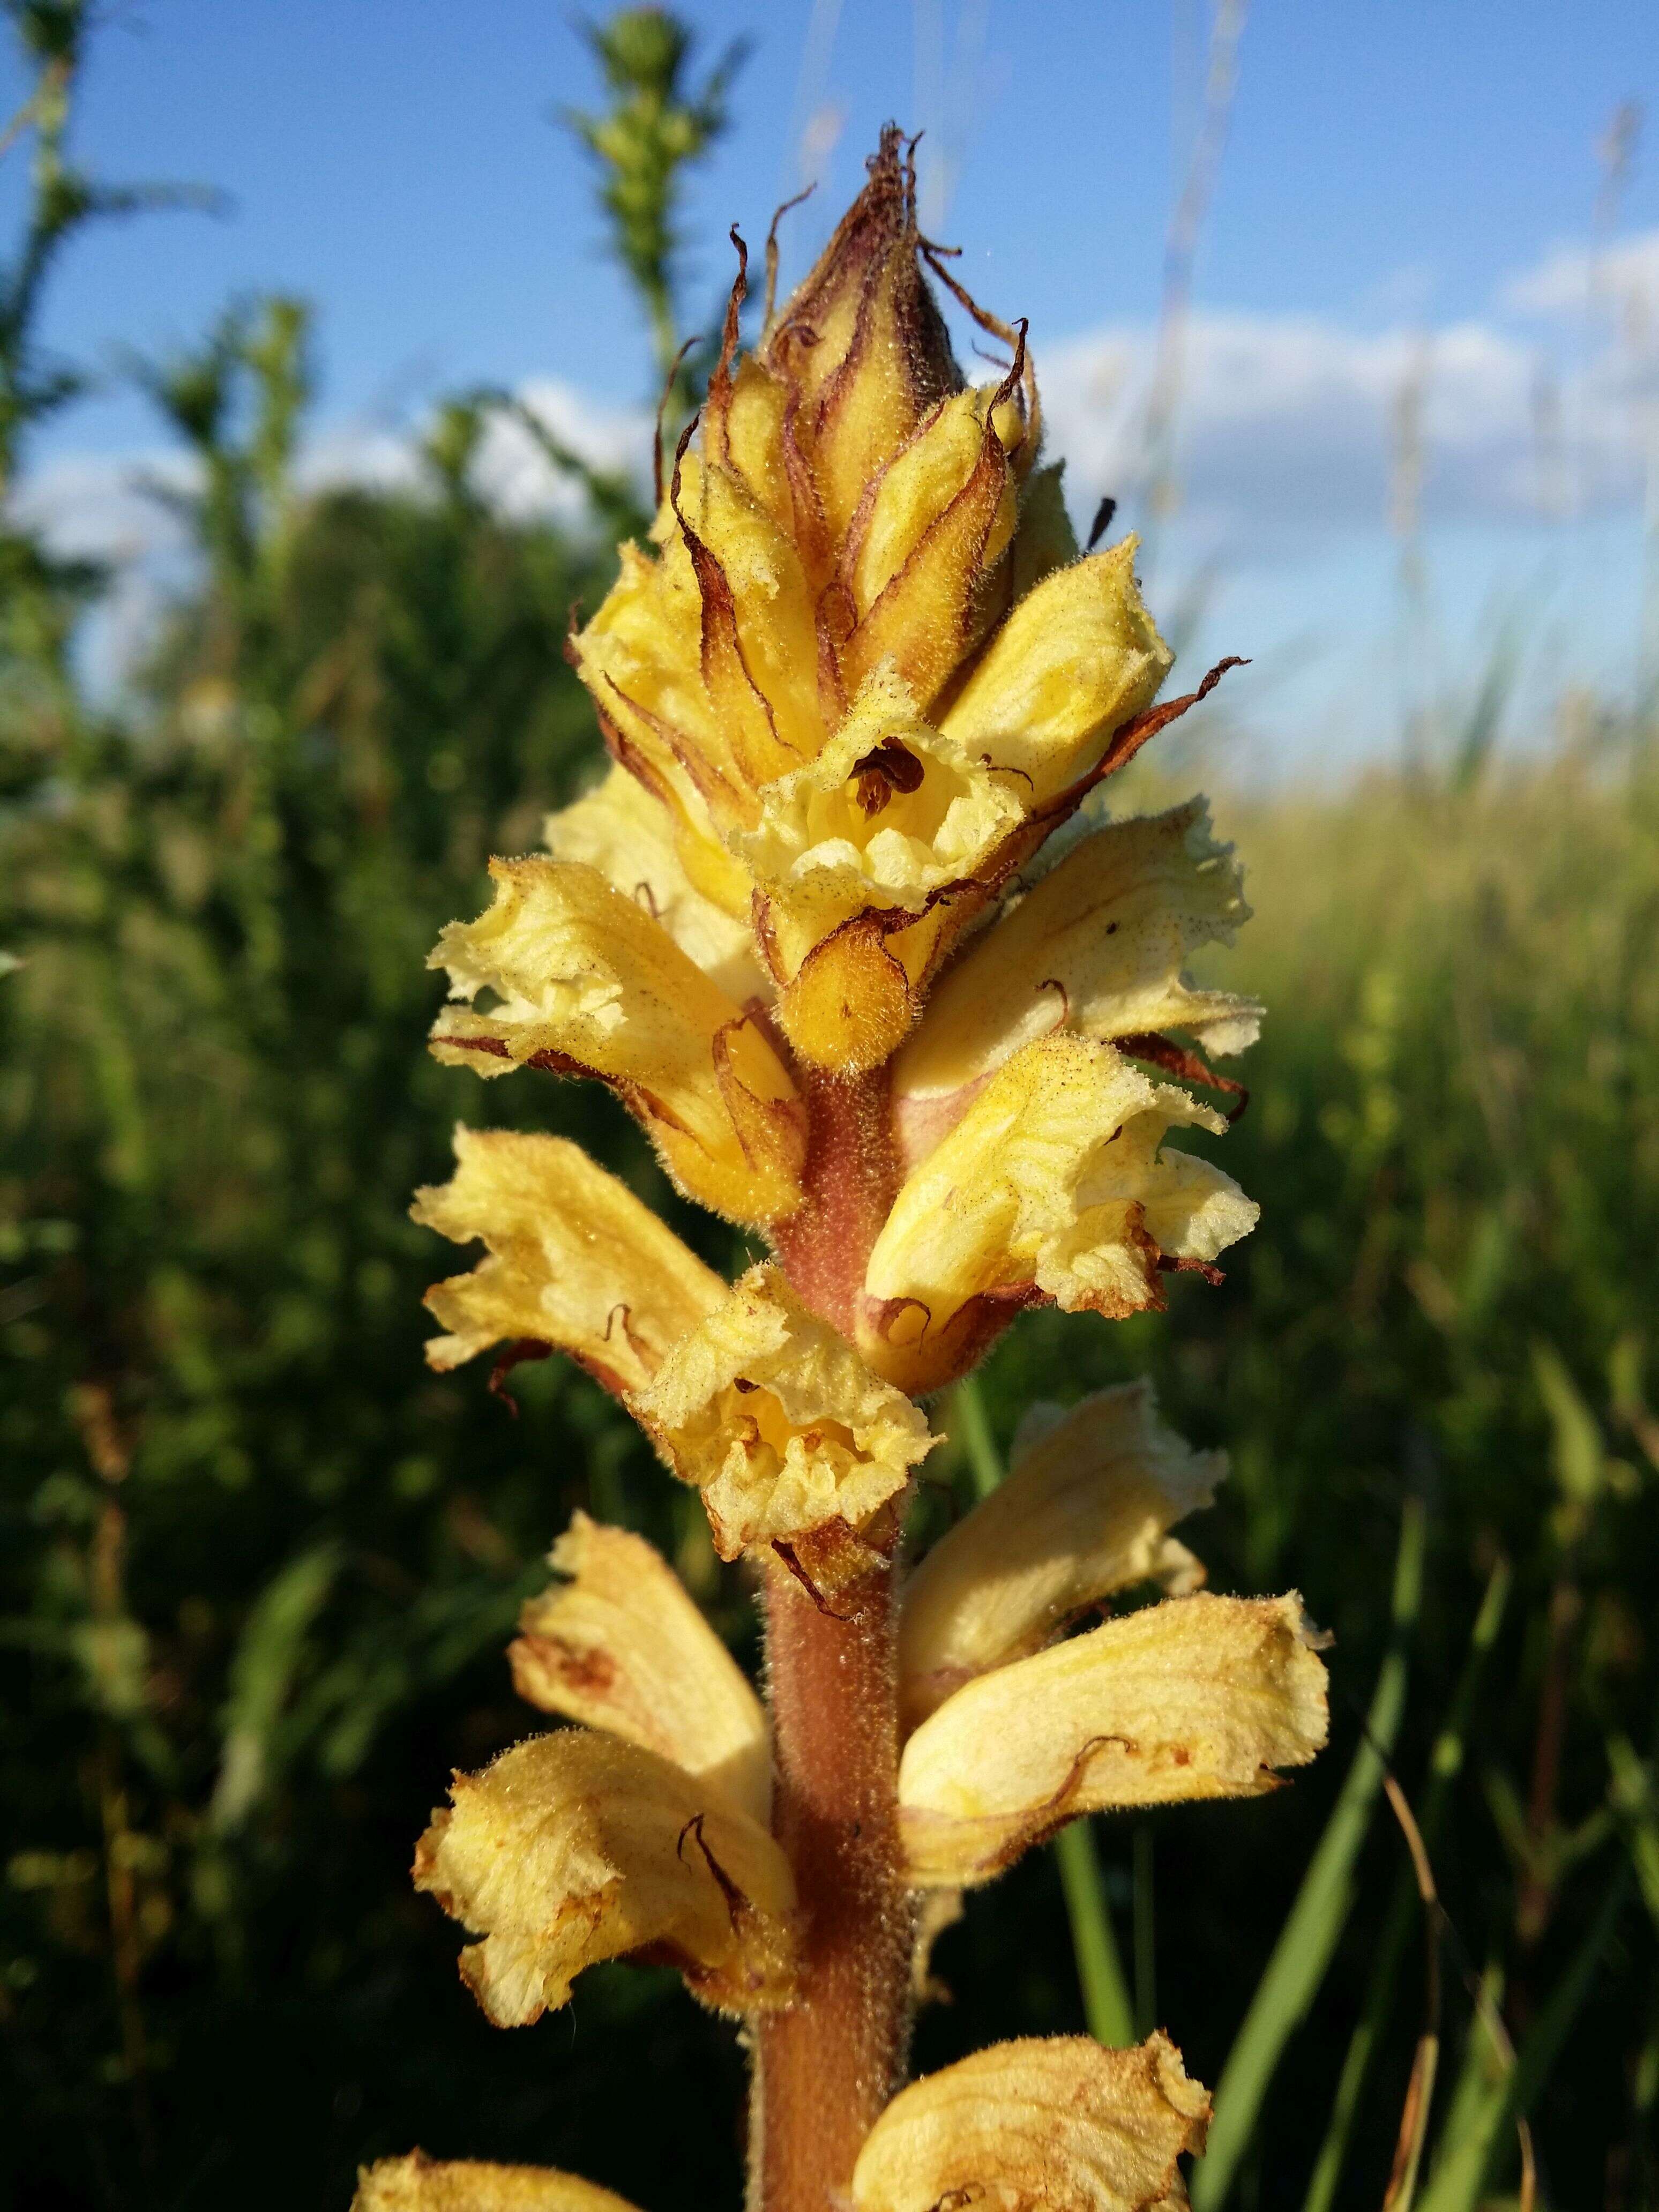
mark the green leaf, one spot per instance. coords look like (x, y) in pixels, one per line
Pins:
(262, 1673)
(1578, 1457)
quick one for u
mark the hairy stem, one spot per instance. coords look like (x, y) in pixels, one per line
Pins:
(851, 1177)
(824, 2070)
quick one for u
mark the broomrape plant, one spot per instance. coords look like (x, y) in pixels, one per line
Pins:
(855, 686)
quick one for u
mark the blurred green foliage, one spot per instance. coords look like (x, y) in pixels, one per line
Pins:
(654, 127)
(257, 1566)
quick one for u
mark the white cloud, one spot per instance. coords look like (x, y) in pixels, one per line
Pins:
(1286, 424)
(1573, 281)
(1285, 438)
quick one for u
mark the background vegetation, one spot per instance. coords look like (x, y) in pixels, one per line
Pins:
(257, 1567)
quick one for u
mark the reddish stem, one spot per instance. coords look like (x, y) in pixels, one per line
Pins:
(851, 1177)
(824, 2069)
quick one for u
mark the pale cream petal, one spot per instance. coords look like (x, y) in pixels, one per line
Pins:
(576, 1260)
(587, 983)
(1076, 659)
(1055, 2122)
(1083, 1513)
(575, 1847)
(622, 1645)
(1100, 944)
(420, 2183)
(1199, 1696)
(625, 833)
(1052, 1184)
(778, 1423)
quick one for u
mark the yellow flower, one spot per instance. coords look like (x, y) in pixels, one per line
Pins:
(619, 829)
(577, 1847)
(1084, 1512)
(643, 1831)
(863, 666)
(1199, 1696)
(1076, 659)
(419, 2184)
(1051, 1187)
(780, 1423)
(621, 1646)
(1056, 2122)
(586, 984)
(576, 1262)
(1099, 945)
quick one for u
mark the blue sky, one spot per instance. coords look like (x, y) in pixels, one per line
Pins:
(1405, 199)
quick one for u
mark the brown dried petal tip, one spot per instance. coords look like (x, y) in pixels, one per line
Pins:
(862, 341)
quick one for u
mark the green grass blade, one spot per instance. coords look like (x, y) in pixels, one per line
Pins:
(974, 1427)
(1466, 2163)
(261, 1674)
(1445, 1763)
(1308, 1937)
(1106, 2003)
(1634, 1796)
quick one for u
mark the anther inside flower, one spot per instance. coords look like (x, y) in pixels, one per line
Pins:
(851, 686)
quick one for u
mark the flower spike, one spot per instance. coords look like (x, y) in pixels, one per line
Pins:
(851, 681)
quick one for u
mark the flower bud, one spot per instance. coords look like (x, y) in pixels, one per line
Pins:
(1076, 659)
(860, 349)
